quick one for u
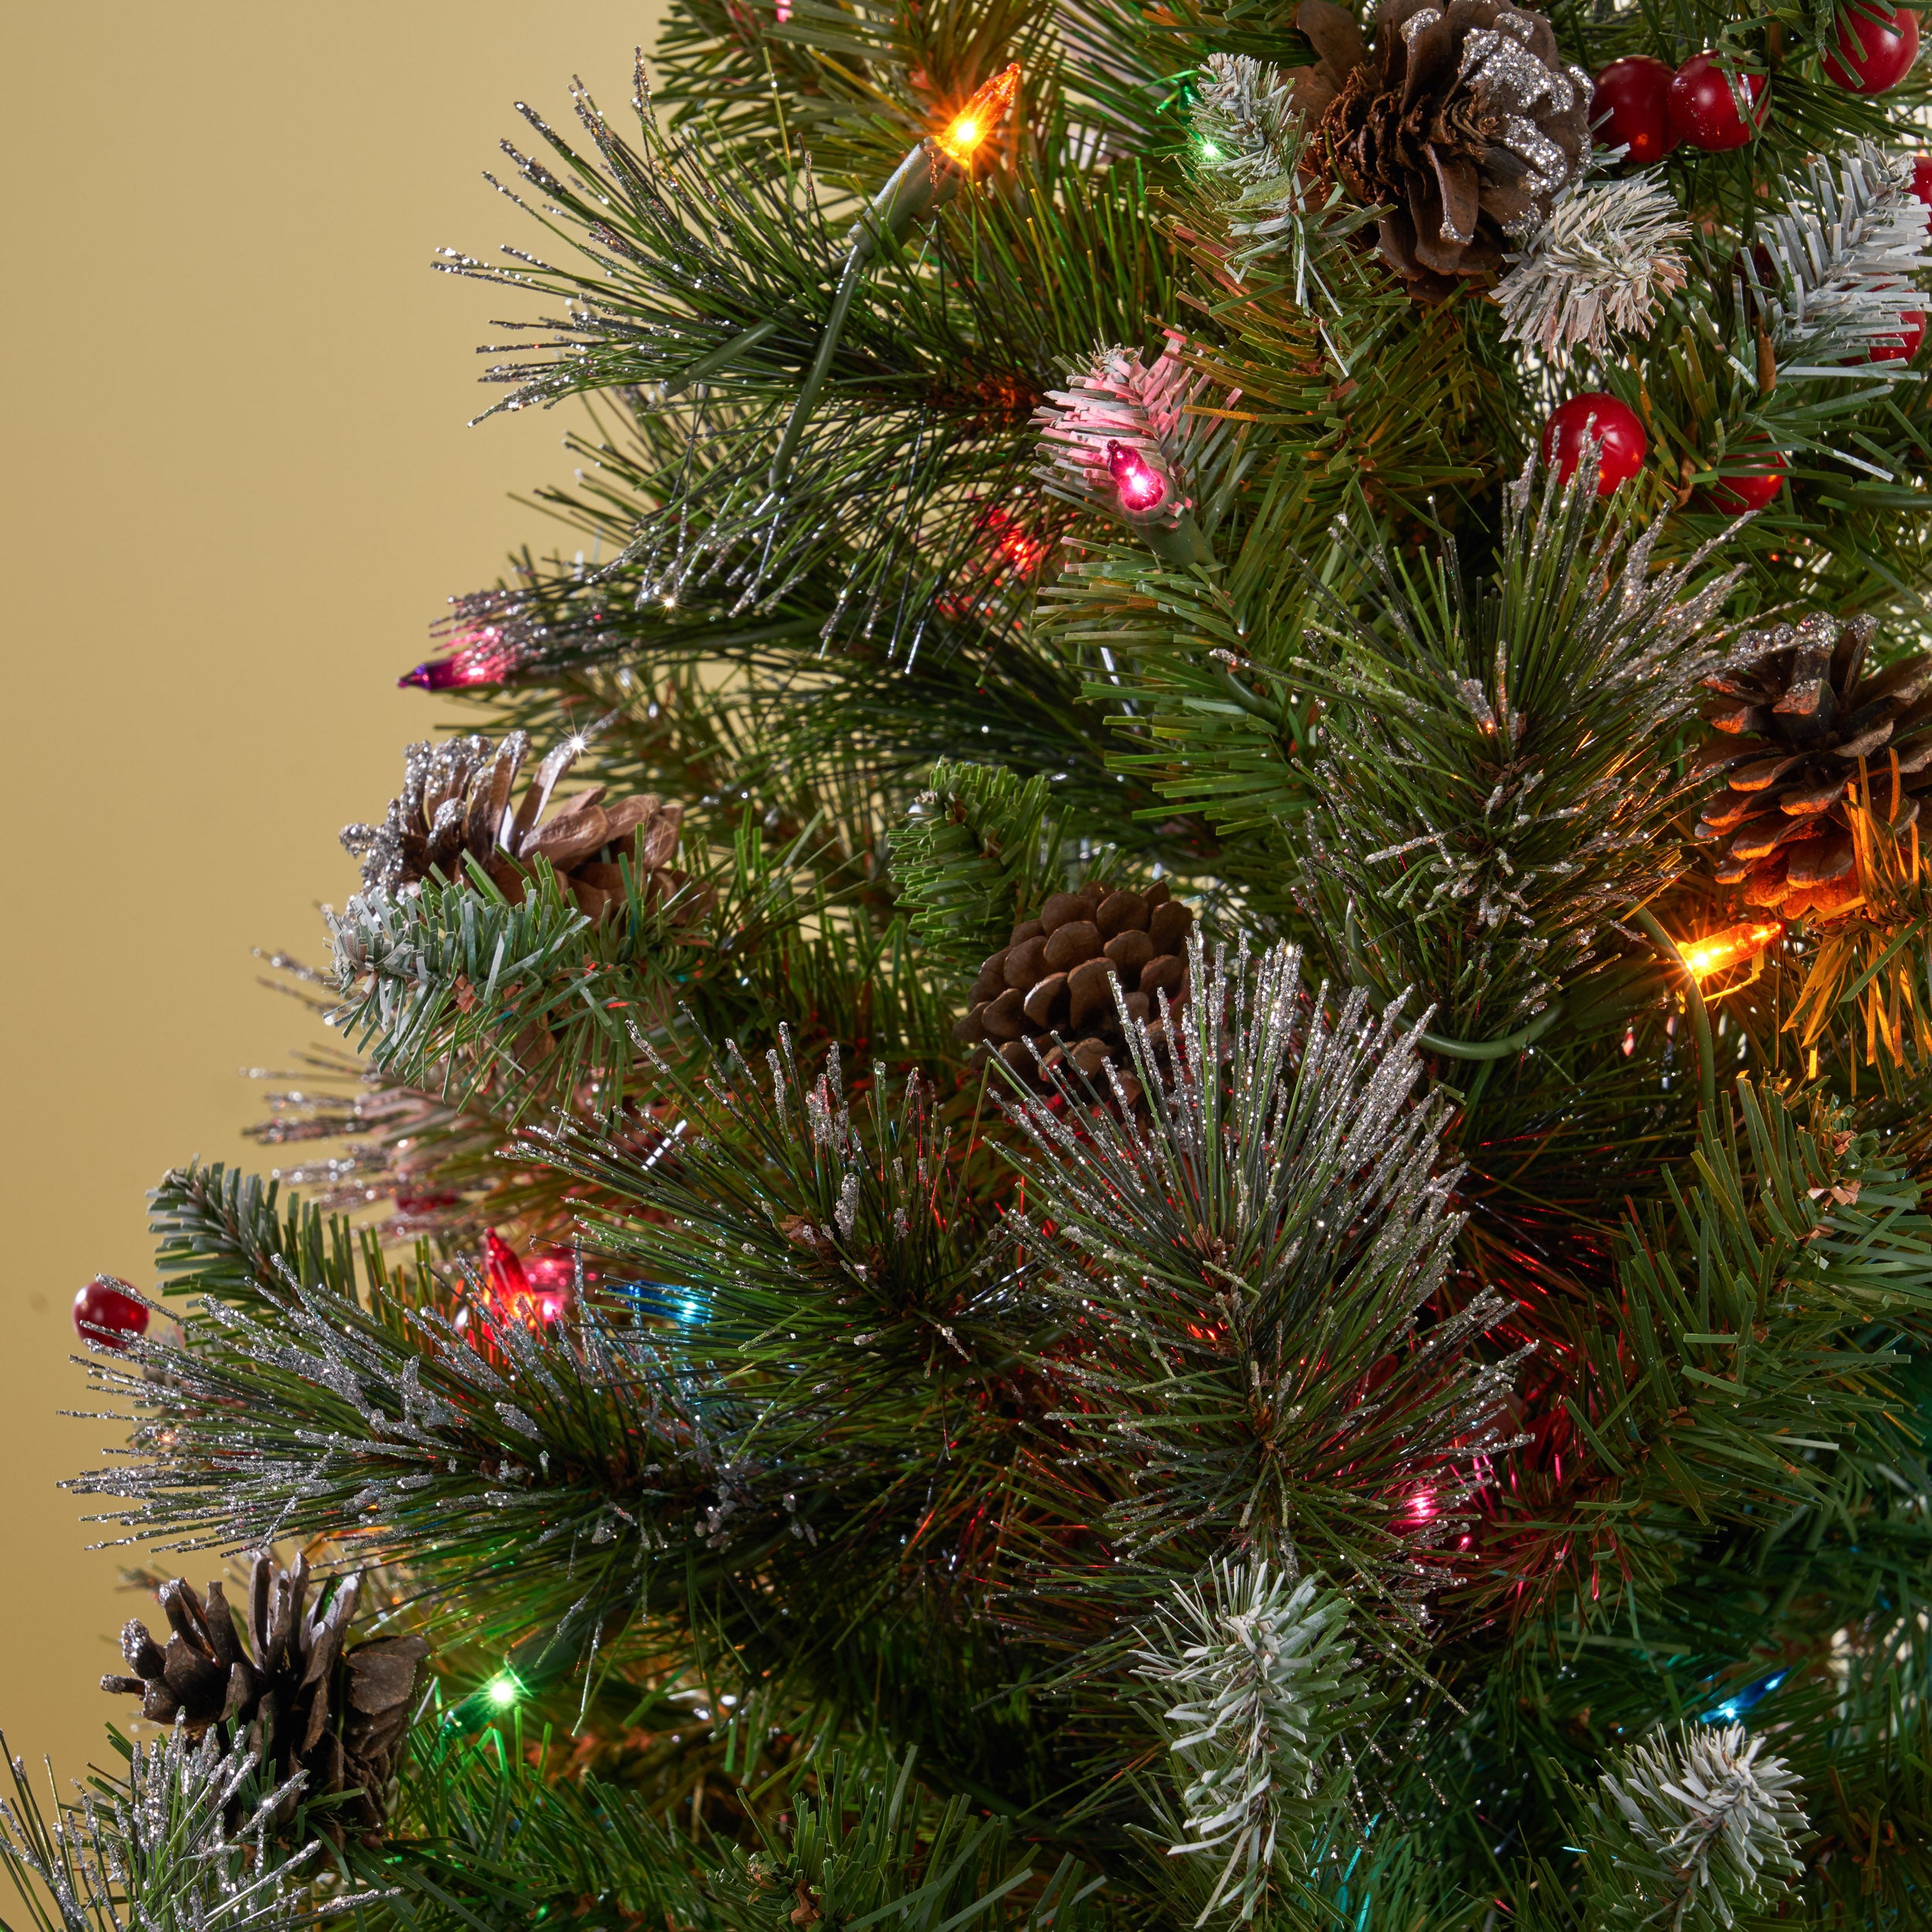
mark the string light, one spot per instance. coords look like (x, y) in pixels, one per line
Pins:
(1734, 1706)
(1730, 947)
(980, 116)
(1141, 486)
(917, 188)
(503, 1690)
(482, 656)
(536, 1294)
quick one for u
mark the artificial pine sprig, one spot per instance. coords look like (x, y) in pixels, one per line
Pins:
(1688, 1832)
(181, 1843)
(1250, 147)
(1603, 265)
(981, 847)
(1750, 1367)
(1843, 256)
(1491, 794)
(533, 1472)
(1246, 1268)
(1260, 1664)
(1121, 439)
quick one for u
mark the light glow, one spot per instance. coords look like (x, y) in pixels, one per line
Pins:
(1730, 947)
(980, 117)
(1141, 486)
(535, 1294)
(503, 1690)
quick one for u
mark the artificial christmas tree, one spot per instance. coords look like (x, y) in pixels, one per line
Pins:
(1191, 1192)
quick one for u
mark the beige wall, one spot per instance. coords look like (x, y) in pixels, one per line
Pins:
(239, 485)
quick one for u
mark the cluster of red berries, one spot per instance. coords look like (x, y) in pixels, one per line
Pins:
(1622, 444)
(1643, 107)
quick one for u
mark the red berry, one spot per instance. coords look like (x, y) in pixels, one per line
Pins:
(1751, 489)
(1875, 49)
(1703, 107)
(1630, 109)
(1903, 350)
(108, 1314)
(1611, 423)
(1922, 180)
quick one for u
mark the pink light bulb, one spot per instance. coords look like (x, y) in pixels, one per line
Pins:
(1141, 486)
(480, 656)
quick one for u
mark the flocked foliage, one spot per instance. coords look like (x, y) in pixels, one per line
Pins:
(1259, 1664)
(1693, 1832)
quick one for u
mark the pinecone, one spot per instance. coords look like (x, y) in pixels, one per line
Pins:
(1055, 975)
(1796, 717)
(1463, 122)
(456, 799)
(308, 1704)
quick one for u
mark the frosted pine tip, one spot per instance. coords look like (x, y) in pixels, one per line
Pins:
(1731, 947)
(980, 116)
(481, 657)
(1141, 486)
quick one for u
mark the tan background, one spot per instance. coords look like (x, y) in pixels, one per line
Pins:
(239, 485)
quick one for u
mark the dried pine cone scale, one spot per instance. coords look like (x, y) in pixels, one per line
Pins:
(1056, 974)
(309, 1702)
(201, 1676)
(1796, 720)
(1462, 121)
(457, 800)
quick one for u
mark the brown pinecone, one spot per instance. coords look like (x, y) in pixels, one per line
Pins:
(456, 799)
(1796, 715)
(1463, 122)
(307, 1704)
(1055, 976)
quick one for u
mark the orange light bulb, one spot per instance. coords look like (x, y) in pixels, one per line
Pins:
(1730, 947)
(980, 116)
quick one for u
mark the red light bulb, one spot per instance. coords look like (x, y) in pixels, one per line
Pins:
(552, 1279)
(1140, 485)
(533, 1295)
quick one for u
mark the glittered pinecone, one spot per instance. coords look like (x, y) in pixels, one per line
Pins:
(1795, 716)
(456, 799)
(1056, 974)
(1463, 122)
(307, 1704)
